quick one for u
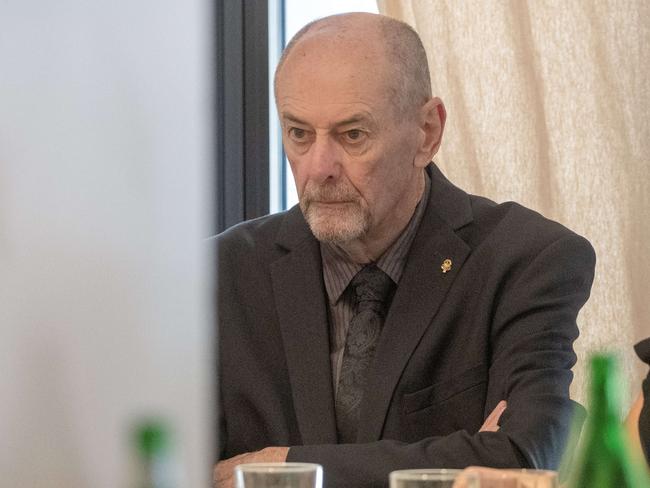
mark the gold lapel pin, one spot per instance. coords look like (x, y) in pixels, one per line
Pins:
(446, 265)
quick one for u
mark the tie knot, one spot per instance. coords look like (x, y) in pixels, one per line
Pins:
(370, 284)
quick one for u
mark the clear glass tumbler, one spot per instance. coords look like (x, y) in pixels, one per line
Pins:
(279, 475)
(432, 478)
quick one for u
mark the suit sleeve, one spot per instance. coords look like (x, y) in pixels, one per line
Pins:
(532, 334)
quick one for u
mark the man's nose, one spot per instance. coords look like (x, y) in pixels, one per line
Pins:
(325, 161)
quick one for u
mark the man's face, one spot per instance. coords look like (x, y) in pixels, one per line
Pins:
(351, 158)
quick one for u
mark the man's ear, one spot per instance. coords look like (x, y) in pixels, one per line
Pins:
(431, 122)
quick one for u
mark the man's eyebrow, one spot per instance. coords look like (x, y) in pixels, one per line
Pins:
(292, 118)
(353, 119)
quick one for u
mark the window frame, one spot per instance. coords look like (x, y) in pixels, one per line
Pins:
(242, 109)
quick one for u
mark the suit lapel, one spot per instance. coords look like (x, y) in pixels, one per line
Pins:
(300, 302)
(420, 293)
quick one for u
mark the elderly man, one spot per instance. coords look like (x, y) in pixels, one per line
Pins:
(383, 323)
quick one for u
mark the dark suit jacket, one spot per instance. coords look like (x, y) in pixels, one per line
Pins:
(499, 325)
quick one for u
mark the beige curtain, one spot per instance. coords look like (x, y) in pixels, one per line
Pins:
(549, 105)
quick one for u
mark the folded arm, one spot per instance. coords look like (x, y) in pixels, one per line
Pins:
(224, 471)
(532, 332)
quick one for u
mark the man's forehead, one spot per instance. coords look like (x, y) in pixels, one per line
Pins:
(314, 53)
(330, 93)
(336, 63)
(344, 61)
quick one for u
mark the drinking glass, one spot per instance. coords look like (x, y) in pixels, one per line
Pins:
(432, 478)
(278, 475)
(515, 478)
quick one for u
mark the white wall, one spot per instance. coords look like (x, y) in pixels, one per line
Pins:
(104, 305)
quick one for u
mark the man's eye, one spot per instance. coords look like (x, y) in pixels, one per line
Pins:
(354, 135)
(297, 133)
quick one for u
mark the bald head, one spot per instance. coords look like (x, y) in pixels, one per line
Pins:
(392, 47)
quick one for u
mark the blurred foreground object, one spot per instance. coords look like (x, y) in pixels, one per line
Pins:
(632, 425)
(155, 456)
(638, 421)
(105, 201)
(508, 478)
(603, 458)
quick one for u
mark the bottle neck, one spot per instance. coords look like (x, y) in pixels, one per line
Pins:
(604, 401)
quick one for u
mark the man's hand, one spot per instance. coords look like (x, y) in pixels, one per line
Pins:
(224, 471)
(491, 423)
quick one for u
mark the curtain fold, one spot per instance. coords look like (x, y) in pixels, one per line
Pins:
(549, 105)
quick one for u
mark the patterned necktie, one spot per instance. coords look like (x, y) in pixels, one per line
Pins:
(370, 290)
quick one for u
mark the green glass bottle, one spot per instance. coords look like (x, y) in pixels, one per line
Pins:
(153, 447)
(603, 459)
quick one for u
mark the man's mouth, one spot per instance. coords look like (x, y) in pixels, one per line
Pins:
(331, 203)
